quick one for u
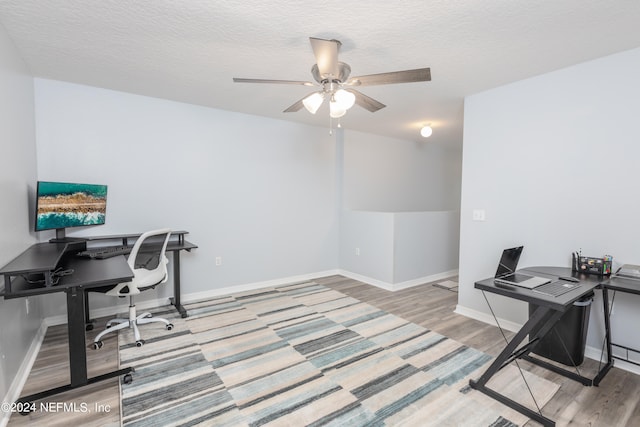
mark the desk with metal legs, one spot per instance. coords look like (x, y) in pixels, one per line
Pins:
(87, 273)
(44, 258)
(548, 312)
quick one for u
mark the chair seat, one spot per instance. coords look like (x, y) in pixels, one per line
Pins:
(147, 278)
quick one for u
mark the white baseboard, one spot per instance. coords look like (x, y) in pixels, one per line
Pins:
(214, 293)
(398, 286)
(487, 318)
(596, 353)
(368, 280)
(426, 279)
(589, 352)
(15, 389)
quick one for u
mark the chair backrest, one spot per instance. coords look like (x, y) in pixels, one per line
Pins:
(166, 232)
(144, 277)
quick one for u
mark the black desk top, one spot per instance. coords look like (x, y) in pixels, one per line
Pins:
(30, 273)
(47, 256)
(631, 286)
(179, 233)
(38, 257)
(87, 273)
(560, 302)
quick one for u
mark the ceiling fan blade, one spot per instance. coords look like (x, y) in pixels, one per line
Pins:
(366, 102)
(326, 53)
(407, 76)
(284, 82)
(295, 107)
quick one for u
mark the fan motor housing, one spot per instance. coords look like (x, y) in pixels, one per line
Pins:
(344, 70)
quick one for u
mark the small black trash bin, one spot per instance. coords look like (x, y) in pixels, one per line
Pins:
(571, 329)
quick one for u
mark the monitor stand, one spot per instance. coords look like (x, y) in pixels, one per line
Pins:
(61, 237)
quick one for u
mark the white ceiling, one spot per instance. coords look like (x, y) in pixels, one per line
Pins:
(189, 50)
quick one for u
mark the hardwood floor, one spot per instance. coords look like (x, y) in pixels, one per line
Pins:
(613, 403)
(95, 405)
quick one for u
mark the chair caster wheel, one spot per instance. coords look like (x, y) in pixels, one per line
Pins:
(127, 379)
(88, 327)
(139, 343)
(97, 345)
(169, 326)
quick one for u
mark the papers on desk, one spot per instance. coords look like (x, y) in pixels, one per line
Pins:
(628, 271)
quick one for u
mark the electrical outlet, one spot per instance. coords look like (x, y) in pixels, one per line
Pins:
(357, 251)
(218, 260)
(479, 215)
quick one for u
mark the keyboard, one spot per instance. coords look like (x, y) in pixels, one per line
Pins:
(555, 289)
(105, 252)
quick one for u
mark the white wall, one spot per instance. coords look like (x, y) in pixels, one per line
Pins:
(371, 235)
(392, 175)
(17, 176)
(426, 244)
(400, 201)
(399, 249)
(554, 160)
(259, 193)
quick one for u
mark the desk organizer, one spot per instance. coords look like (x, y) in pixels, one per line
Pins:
(590, 265)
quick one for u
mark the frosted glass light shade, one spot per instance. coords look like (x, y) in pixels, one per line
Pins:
(426, 131)
(313, 102)
(336, 110)
(345, 98)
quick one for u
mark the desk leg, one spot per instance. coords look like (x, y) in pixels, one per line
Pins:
(543, 316)
(537, 317)
(77, 350)
(77, 344)
(88, 322)
(607, 334)
(176, 285)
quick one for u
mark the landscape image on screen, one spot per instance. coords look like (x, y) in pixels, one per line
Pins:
(62, 205)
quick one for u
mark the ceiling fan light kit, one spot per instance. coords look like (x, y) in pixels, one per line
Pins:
(345, 98)
(313, 102)
(336, 110)
(333, 78)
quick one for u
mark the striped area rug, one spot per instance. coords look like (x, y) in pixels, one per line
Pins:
(307, 355)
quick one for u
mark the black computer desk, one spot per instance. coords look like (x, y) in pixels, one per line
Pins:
(87, 273)
(43, 258)
(548, 312)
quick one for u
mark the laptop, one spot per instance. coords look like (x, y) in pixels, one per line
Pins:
(506, 274)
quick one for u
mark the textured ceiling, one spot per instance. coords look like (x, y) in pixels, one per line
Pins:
(189, 50)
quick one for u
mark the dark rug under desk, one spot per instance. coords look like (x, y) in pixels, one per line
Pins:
(304, 354)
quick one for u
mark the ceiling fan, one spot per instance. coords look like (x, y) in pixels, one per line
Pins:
(335, 85)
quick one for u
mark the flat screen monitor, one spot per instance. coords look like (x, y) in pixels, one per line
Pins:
(61, 205)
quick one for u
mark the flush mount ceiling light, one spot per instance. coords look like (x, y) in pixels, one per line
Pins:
(426, 131)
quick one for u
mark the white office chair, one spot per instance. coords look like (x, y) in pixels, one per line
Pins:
(144, 278)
